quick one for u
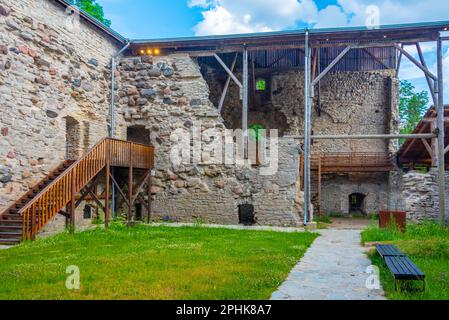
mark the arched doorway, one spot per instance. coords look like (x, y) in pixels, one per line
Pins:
(357, 203)
(73, 138)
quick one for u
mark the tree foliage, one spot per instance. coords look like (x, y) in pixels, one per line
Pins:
(412, 106)
(92, 8)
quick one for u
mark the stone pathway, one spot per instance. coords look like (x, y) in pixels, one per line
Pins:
(334, 268)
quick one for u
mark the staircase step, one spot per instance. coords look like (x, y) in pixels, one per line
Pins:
(11, 222)
(9, 235)
(4, 228)
(10, 242)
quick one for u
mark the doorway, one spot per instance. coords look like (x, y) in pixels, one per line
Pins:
(357, 203)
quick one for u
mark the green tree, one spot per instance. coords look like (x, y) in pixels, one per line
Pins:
(412, 106)
(92, 8)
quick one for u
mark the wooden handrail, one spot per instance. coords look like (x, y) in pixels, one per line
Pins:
(57, 195)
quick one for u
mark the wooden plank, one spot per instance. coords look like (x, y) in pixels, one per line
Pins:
(388, 250)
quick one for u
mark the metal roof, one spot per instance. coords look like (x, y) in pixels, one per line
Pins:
(294, 37)
(301, 32)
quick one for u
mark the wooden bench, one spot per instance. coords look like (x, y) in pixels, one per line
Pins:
(401, 267)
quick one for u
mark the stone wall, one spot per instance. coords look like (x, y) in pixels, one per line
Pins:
(351, 103)
(337, 188)
(52, 72)
(167, 93)
(420, 195)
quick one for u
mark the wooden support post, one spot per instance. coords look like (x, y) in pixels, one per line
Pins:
(130, 183)
(319, 185)
(149, 200)
(72, 199)
(108, 184)
(33, 222)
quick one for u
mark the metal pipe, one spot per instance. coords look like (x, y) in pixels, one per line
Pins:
(245, 102)
(307, 131)
(228, 82)
(112, 113)
(112, 108)
(440, 127)
(368, 137)
(428, 79)
(398, 64)
(230, 73)
(416, 62)
(331, 65)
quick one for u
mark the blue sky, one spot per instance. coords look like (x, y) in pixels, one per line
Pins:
(144, 19)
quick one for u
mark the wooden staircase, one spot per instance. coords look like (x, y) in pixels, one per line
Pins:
(29, 214)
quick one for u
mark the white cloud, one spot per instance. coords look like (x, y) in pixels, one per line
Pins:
(236, 16)
(200, 3)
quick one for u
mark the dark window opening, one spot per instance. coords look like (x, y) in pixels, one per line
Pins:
(73, 137)
(357, 203)
(247, 216)
(138, 134)
(138, 208)
(88, 212)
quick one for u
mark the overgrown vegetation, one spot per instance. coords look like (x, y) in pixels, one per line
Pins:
(153, 263)
(412, 106)
(427, 244)
(92, 8)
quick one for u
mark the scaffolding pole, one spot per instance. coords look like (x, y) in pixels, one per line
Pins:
(369, 136)
(245, 102)
(307, 130)
(440, 129)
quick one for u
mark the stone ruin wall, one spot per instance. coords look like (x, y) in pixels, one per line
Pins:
(351, 103)
(167, 93)
(49, 72)
(420, 195)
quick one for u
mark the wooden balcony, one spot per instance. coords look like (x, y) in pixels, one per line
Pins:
(351, 162)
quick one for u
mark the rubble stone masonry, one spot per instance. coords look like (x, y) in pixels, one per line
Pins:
(54, 87)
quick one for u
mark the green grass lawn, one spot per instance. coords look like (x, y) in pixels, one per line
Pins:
(428, 247)
(153, 263)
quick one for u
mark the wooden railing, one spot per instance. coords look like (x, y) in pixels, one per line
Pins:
(57, 195)
(352, 162)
